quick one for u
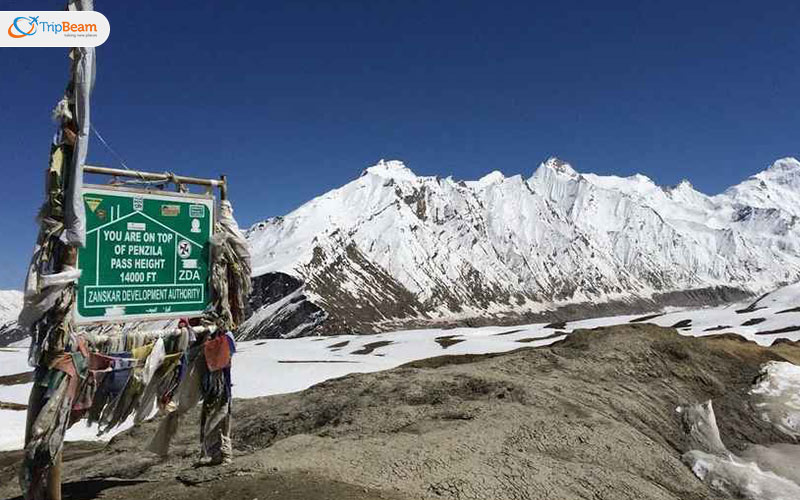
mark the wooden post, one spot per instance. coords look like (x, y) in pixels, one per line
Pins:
(35, 403)
(54, 479)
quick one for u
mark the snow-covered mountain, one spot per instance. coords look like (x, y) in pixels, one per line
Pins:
(395, 249)
(10, 306)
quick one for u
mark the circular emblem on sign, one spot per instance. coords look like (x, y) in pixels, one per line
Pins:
(184, 249)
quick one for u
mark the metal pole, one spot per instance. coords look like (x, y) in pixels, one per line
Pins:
(149, 176)
(223, 189)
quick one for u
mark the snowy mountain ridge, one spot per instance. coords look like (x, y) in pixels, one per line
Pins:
(10, 306)
(393, 246)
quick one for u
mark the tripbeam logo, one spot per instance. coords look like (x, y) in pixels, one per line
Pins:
(54, 29)
(14, 31)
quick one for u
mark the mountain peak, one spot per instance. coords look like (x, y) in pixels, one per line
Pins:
(777, 187)
(491, 178)
(782, 170)
(683, 185)
(784, 173)
(391, 169)
(559, 166)
(789, 163)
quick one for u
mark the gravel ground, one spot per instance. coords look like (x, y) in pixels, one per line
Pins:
(592, 417)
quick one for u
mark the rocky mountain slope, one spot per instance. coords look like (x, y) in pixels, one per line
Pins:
(10, 306)
(392, 249)
(593, 416)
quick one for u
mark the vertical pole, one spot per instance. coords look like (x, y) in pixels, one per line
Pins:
(223, 189)
(54, 479)
(35, 403)
(74, 117)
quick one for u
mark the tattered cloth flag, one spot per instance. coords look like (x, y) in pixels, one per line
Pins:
(83, 75)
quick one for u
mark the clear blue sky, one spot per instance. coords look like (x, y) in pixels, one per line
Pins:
(291, 99)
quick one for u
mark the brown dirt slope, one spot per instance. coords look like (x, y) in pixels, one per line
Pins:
(592, 417)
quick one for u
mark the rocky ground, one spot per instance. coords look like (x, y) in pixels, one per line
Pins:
(283, 309)
(592, 417)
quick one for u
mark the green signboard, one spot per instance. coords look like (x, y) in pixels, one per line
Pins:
(147, 255)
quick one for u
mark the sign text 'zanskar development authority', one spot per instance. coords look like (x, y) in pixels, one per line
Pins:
(146, 255)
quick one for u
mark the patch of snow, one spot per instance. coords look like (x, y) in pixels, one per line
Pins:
(10, 305)
(761, 472)
(13, 360)
(787, 297)
(777, 392)
(276, 366)
(300, 363)
(740, 479)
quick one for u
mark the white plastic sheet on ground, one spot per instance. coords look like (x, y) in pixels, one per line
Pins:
(760, 472)
(777, 396)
